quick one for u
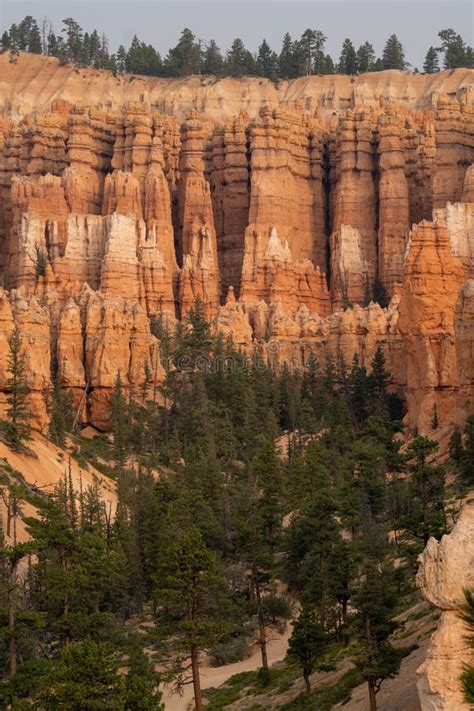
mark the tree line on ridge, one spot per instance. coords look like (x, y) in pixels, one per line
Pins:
(194, 56)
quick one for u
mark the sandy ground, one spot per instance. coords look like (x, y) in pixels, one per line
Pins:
(399, 694)
(216, 676)
(45, 470)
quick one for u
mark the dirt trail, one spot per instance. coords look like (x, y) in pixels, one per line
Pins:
(216, 676)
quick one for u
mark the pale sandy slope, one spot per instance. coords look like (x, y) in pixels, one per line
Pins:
(33, 82)
(47, 468)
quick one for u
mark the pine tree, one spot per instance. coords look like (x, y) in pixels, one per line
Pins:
(348, 59)
(375, 603)
(60, 412)
(121, 59)
(365, 58)
(94, 48)
(189, 588)
(320, 58)
(378, 383)
(426, 516)
(307, 45)
(195, 342)
(359, 390)
(287, 61)
(267, 61)
(431, 63)
(307, 643)
(10, 557)
(141, 683)
(454, 49)
(54, 541)
(84, 676)
(312, 48)
(467, 453)
(239, 61)
(311, 537)
(120, 422)
(24, 33)
(393, 54)
(34, 40)
(73, 41)
(342, 571)
(267, 476)
(213, 61)
(143, 59)
(467, 616)
(16, 428)
(379, 293)
(55, 45)
(327, 66)
(184, 59)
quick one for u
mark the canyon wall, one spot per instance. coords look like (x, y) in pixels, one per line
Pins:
(286, 209)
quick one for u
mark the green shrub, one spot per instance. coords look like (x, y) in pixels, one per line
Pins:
(233, 650)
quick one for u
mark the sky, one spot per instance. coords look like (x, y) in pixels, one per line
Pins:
(159, 22)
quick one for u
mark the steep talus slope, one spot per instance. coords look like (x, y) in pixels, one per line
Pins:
(39, 470)
(284, 208)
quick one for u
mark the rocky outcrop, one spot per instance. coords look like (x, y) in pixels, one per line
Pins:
(302, 198)
(33, 323)
(459, 221)
(117, 342)
(453, 135)
(285, 241)
(93, 338)
(427, 322)
(446, 570)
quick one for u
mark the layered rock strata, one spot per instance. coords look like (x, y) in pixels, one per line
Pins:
(281, 213)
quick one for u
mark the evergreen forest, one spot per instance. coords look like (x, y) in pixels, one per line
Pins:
(191, 55)
(246, 497)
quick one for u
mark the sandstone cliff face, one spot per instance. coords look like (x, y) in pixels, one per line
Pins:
(276, 207)
(446, 569)
(429, 294)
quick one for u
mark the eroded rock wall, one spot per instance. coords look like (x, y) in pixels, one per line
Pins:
(280, 214)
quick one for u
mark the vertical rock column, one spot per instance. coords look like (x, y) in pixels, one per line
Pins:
(286, 217)
(419, 152)
(89, 149)
(200, 274)
(430, 291)
(393, 198)
(138, 188)
(354, 237)
(231, 197)
(454, 149)
(38, 229)
(157, 254)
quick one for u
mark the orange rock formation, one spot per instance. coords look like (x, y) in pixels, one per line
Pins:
(122, 200)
